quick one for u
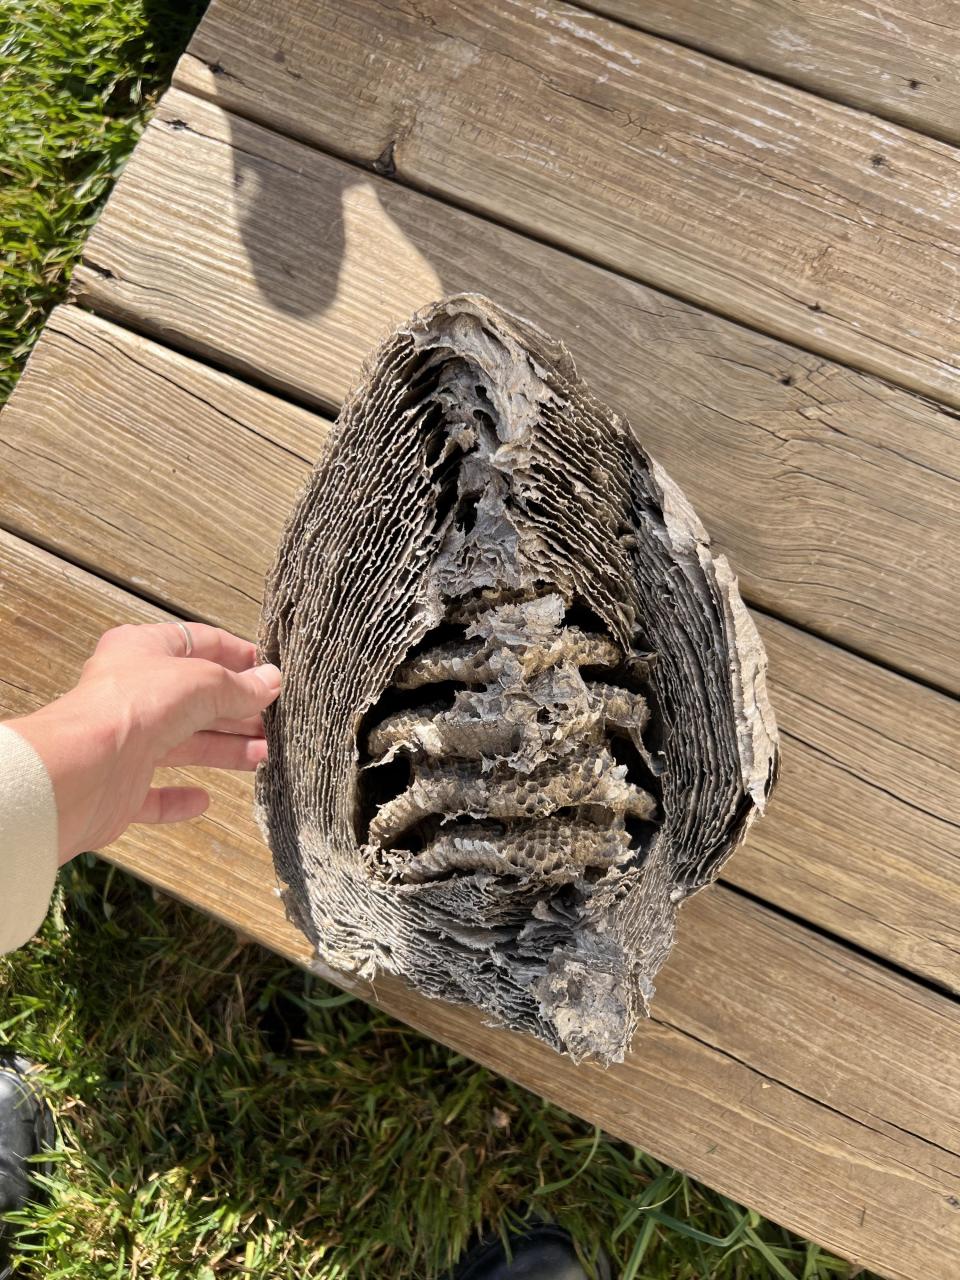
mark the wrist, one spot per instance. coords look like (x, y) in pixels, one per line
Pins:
(76, 749)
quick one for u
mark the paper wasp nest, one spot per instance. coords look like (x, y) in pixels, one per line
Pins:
(524, 711)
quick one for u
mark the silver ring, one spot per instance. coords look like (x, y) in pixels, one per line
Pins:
(187, 636)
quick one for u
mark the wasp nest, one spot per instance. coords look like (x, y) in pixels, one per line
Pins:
(524, 711)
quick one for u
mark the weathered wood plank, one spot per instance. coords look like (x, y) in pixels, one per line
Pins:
(897, 60)
(152, 469)
(838, 496)
(804, 218)
(867, 842)
(781, 1068)
(174, 479)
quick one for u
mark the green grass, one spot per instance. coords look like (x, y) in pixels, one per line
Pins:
(77, 79)
(221, 1113)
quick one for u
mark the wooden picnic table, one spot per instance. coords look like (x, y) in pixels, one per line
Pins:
(745, 223)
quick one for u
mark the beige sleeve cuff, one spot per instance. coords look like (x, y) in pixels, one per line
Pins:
(28, 840)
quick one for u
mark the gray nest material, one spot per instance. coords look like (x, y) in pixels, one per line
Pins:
(524, 712)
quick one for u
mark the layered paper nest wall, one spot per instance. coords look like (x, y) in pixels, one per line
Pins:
(524, 712)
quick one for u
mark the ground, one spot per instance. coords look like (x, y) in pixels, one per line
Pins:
(220, 1112)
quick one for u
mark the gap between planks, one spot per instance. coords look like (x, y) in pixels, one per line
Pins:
(895, 62)
(789, 1088)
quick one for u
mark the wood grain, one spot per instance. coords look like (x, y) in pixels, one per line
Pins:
(174, 479)
(781, 1068)
(151, 469)
(801, 217)
(838, 496)
(897, 60)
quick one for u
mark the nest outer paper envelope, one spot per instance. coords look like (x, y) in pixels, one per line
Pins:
(524, 710)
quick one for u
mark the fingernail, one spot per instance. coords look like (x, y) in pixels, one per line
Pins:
(270, 675)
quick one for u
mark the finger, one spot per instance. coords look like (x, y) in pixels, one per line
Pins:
(218, 751)
(194, 695)
(250, 726)
(237, 695)
(211, 643)
(172, 804)
(216, 645)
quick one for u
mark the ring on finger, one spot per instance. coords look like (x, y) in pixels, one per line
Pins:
(187, 637)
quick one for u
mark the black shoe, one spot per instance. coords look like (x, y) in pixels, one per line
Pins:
(26, 1129)
(543, 1252)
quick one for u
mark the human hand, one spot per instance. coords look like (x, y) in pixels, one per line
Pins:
(141, 703)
